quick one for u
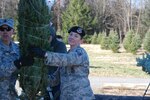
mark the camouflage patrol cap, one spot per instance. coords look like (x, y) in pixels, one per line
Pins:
(8, 22)
(78, 30)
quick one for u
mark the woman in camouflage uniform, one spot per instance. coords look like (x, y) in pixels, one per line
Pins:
(9, 60)
(9, 52)
(75, 84)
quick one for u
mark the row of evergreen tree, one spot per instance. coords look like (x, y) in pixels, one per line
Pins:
(132, 42)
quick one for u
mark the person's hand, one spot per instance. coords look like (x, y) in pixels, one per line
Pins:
(24, 61)
(36, 52)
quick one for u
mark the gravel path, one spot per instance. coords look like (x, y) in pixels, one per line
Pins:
(101, 81)
(138, 83)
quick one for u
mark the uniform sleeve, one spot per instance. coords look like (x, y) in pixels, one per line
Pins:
(76, 58)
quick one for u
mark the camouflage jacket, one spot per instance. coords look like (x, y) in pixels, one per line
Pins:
(75, 84)
(7, 77)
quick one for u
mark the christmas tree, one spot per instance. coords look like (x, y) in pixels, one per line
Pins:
(33, 29)
(144, 62)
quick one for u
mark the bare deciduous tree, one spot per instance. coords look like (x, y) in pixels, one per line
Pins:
(8, 8)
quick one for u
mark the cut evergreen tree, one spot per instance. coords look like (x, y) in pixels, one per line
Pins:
(33, 29)
(144, 62)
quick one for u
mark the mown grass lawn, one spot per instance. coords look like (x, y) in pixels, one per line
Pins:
(107, 63)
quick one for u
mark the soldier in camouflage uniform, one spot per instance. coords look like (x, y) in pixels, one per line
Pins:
(9, 53)
(75, 84)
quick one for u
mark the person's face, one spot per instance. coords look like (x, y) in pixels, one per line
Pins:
(6, 33)
(74, 39)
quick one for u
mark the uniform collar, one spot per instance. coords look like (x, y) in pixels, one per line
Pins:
(11, 47)
(74, 48)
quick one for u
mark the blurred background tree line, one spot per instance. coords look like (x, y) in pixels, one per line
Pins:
(107, 22)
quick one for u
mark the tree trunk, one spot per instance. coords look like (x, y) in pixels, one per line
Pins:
(58, 16)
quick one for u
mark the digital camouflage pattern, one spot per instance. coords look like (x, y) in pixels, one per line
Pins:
(8, 54)
(75, 84)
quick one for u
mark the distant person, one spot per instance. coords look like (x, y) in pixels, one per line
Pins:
(53, 71)
(59, 38)
(74, 72)
(9, 60)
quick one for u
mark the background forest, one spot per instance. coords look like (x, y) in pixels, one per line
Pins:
(107, 22)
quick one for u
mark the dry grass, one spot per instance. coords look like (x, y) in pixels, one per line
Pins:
(107, 63)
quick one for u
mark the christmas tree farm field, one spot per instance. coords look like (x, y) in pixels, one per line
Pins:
(108, 64)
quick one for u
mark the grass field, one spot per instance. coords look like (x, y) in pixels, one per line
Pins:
(106, 63)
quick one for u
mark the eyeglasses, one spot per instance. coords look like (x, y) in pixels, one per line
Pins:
(5, 28)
